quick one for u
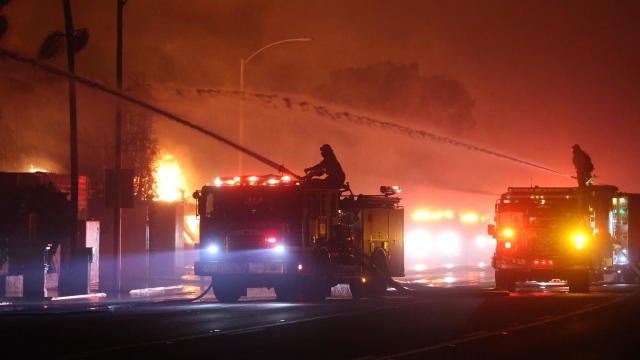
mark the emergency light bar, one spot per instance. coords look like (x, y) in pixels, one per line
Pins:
(389, 190)
(254, 180)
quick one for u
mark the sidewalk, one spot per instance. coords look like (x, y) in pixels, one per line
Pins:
(187, 288)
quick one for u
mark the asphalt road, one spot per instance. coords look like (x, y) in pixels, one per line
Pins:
(449, 322)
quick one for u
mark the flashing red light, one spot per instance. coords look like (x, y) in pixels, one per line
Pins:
(542, 263)
(254, 180)
(271, 241)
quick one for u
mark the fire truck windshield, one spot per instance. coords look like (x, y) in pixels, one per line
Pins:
(248, 203)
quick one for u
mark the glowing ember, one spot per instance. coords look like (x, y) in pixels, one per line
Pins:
(169, 179)
(34, 169)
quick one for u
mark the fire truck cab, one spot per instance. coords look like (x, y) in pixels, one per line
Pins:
(298, 238)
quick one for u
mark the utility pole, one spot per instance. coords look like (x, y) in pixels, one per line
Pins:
(117, 212)
(73, 280)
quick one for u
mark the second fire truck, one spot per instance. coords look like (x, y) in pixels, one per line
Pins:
(576, 234)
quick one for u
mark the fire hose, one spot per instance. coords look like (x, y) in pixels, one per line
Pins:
(53, 70)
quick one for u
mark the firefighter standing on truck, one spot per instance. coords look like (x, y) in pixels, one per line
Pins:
(329, 166)
(584, 166)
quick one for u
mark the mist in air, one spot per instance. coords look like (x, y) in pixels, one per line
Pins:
(452, 102)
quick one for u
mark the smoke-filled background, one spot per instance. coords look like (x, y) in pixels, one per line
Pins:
(453, 101)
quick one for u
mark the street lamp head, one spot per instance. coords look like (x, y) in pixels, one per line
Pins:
(243, 62)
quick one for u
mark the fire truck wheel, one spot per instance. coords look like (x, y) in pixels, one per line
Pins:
(579, 282)
(287, 293)
(357, 289)
(505, 280)
(227, 293)
(315, 291)
(316, 287)
(380, 278)
(629, 275)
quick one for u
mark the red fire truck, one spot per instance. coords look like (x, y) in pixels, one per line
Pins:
(574, 234)
(298, 238)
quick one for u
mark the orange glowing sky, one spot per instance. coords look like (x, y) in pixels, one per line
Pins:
(543, 74)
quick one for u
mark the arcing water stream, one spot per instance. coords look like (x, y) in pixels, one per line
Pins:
(276, 100)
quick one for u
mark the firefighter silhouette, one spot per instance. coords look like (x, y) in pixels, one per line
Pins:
(329, 166)
(584, 166)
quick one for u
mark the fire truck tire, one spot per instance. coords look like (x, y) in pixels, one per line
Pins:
(629, 275)
(357, 289)
(315, 291)
(316, 288)
(227, 293)
(380, 276)
(505, 280)
(579, 282)
(287, 293)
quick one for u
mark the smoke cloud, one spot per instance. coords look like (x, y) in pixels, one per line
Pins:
(530, 79)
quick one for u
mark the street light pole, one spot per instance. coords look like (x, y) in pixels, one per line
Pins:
(243, 62)
(243, 65)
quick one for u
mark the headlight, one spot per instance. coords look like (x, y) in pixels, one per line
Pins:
(507, 235)
(213, 249)
(275, 243)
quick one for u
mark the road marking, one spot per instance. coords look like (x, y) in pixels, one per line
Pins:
(505, 331)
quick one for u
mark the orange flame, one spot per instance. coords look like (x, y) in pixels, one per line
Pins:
(169, 179)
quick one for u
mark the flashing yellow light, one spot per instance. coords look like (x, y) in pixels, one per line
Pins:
(507, 245)
(579, 240)
(508, 232)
